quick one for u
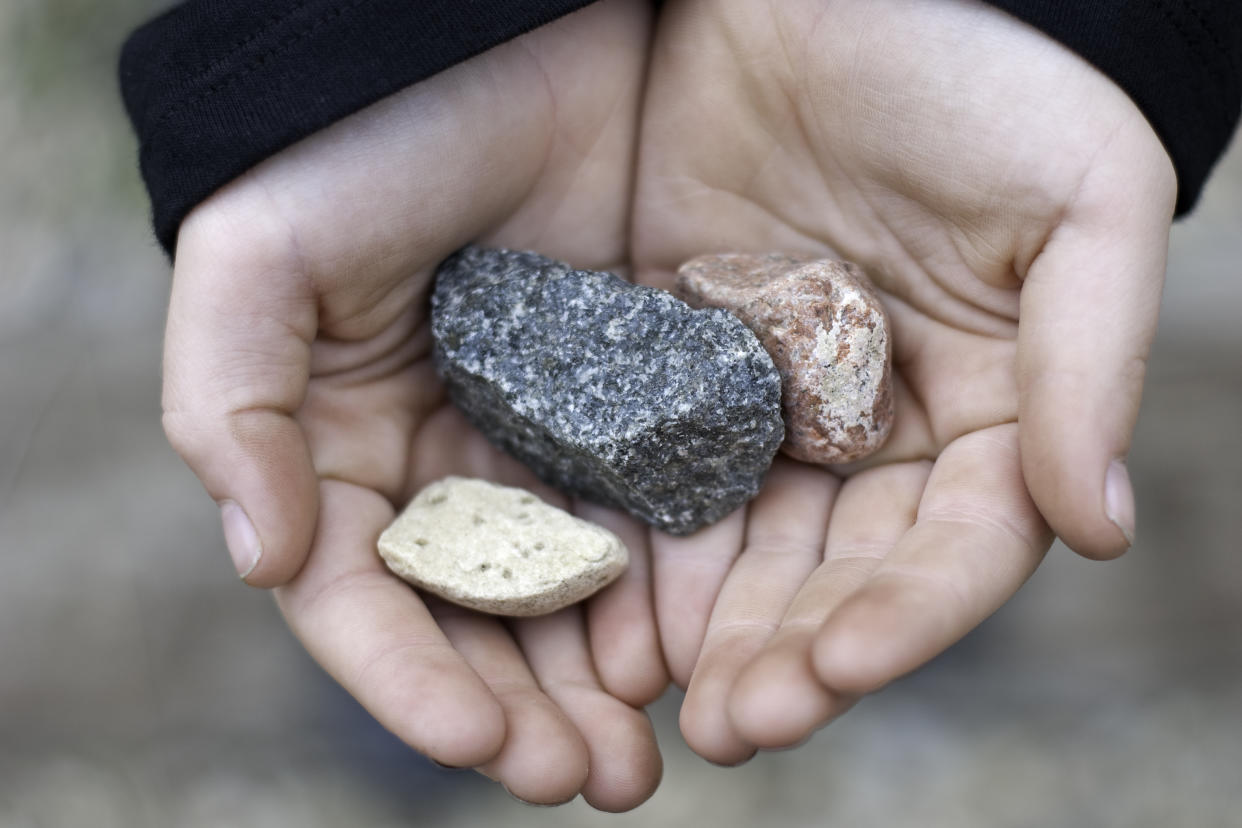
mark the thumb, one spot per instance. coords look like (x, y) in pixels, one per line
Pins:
(236, 363)
(1088, 314)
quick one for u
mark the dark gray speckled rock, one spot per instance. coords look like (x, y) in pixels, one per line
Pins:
(610, 391)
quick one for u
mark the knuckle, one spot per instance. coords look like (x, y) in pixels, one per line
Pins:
(186, 434)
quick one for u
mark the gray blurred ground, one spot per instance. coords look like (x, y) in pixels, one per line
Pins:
(140, 685)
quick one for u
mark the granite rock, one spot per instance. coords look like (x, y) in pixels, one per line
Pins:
(614, 392)
(828, 334)
(499, 549)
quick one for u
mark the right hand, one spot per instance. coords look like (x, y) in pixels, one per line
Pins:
(300, 389)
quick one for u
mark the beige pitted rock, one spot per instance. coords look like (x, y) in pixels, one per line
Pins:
(827, 333)
(498, 549)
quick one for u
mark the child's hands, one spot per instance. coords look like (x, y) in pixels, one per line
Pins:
(300, 389)
(1013, 205)
(981, 172)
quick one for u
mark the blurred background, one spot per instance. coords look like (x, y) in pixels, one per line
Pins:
(141, 685)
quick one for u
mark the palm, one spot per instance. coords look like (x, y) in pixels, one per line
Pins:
(865, 131)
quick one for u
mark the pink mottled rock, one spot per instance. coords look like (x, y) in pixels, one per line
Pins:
(828, 335)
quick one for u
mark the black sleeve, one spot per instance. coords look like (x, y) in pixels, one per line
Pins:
(1180, 61)
(215, 86)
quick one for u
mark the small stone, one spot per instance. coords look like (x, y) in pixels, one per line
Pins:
(498, 549)
(828, 334)
(615, 392)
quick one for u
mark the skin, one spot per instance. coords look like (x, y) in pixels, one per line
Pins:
(1010, 202)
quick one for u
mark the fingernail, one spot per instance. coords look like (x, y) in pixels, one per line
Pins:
(242, 540)
(1119, 499)
(527, 801)
(445, 767)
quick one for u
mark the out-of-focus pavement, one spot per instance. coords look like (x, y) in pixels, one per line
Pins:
(141, 685)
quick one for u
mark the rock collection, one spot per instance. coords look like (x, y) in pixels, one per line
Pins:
(828, 334)
(670, 410)
(498, 549)
(615, 392)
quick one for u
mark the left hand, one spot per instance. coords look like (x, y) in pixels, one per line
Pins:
(299, 387)
(1012, 205)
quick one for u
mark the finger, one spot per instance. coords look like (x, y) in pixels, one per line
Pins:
(977, 538)
(544, 759)
(785, 533)
(624, 760)
(1087, 318)
(236, 362)
(777, 701)
(621, 619)
(687, 574)
(374, 636)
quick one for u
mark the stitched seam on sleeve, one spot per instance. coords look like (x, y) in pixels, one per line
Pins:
(251, 65)
(273, 20)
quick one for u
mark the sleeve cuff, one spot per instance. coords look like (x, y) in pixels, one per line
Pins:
(215, 86)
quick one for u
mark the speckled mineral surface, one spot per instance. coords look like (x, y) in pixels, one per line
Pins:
(499, 549)
(618, 393)
(825, 328)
